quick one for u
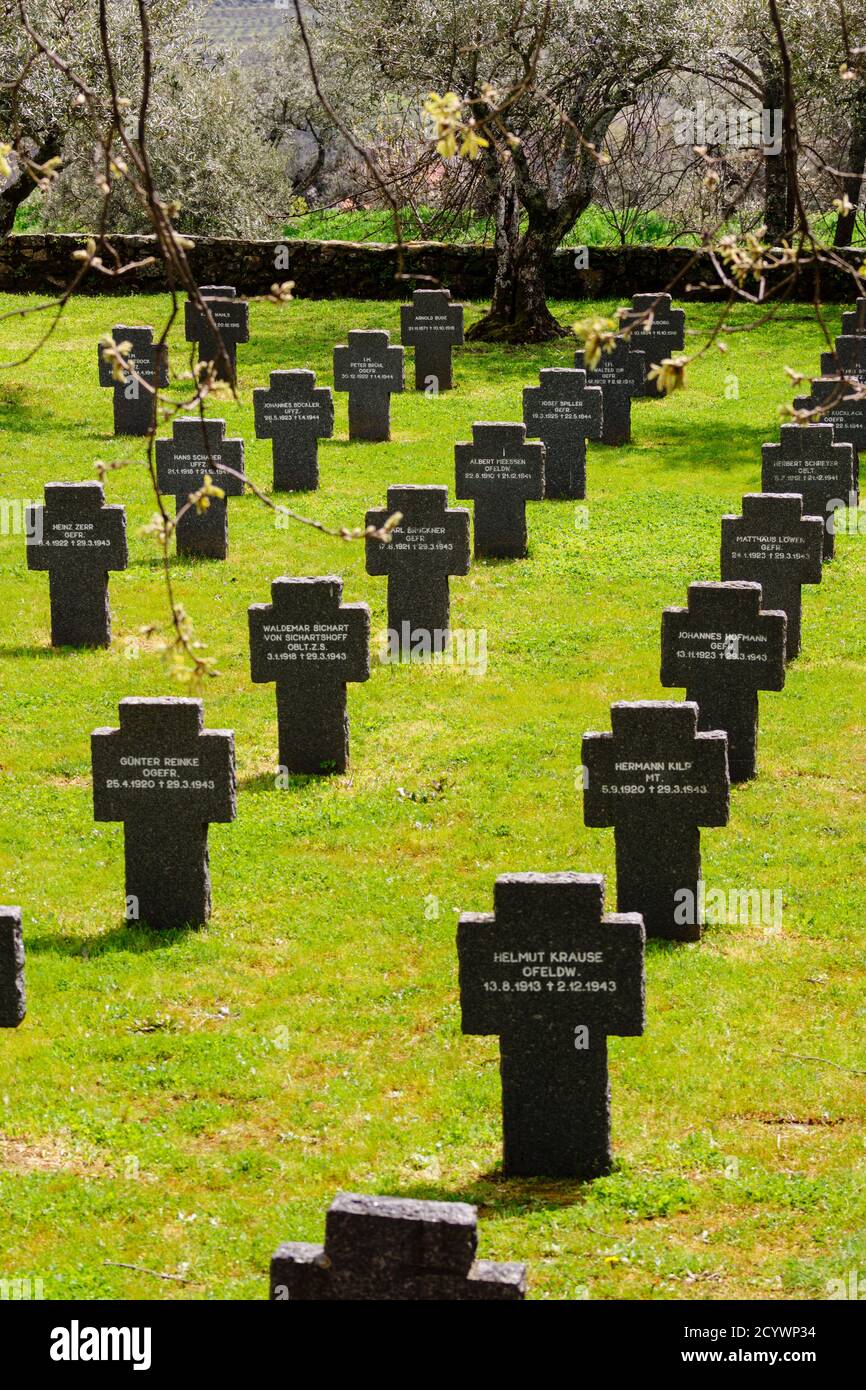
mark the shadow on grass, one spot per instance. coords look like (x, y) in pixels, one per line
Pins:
(495, 1192)
(57, 652)
(294, 781)
(135, 940)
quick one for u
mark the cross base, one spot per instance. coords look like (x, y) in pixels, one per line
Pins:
(616, 416)
(419, 608)
(313, 728)
(433, 360)
(168, 873)
(296, 465)
(370, 415)
(80, 612)
(737, 713)
(656, 861)
(134, 416)
(565, 471)
(499, 528)
(203, 534)
(555, 1106)
(210, 350)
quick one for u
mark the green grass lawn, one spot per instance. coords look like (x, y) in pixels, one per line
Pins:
(184, 1102)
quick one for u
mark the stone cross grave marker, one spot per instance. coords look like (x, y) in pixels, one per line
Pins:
(553, 976)
(393, 1249)
(620, 374)
(776, 546)
(166, 777)
(809, 461)
(134, 405)
(432, 325)
(430, 544)
(198, 447)
(848, 358)
(563, 412)
(232, 319)
(13, 1004)
(295, 414)
(845, 414)
(77, 538)
(723, 649)
(659, 337)
(370, 369)
(656, 780)
(502, 472)
(310, 644)
(854, 320)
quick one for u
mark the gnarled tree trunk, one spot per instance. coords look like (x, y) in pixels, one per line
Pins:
(518, 310)
(852, 183)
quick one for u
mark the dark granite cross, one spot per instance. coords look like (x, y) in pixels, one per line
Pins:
(432, 325)
(198, 447)
(13, 1004)
(295, 414)
(776, 546)
(553, 977)
(809, 461)
(847, 359)
(563, 412)
(723, 648)
(620, 374)
(430, 543)
(656, 780)
(658, 336)
(854, 320)
(77, 538)
(393, 1249)
(370, 369)
(134, 405)
(232, 319)
(502, 472)
(310, 644)
(840, 409)
(166, 777)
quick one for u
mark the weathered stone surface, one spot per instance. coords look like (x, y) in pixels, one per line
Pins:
(809, 461)
(563, 412)
(432, 325)
(370, 369)
(231, 319)
(663, 335)
(656, 780)
(776, 546)
(620, 374)
(395, 1249)
(368, 270)
(295, 414)
(723, 648)
(166, 777)
(198, 447)
(854, 320)
(77, 538)
(13, 1003)
(430, 544)
(848, 358)
(134, 405)
(553, 977)
(843, 410)
(502, 472)
(310, 644)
